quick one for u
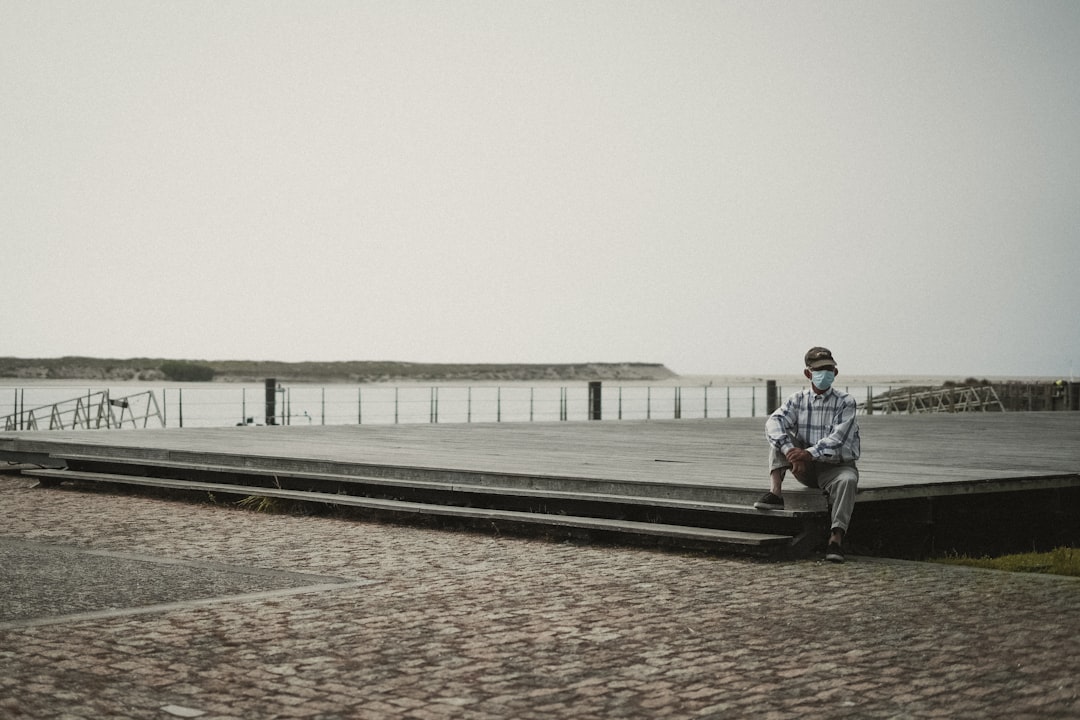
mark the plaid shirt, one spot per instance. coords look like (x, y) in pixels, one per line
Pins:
(824, 424)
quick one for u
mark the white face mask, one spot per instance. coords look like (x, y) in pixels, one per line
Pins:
(822, 379)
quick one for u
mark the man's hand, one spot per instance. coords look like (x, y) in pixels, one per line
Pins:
(798, 455)
(800, 462)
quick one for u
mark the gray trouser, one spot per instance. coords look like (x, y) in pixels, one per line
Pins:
(837, 481)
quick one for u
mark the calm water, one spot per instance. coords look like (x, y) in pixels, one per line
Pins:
(224, 404)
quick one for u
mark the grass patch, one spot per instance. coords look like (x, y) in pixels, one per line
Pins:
(258, 503)
(1059, 561)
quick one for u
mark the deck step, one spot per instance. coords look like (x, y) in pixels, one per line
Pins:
(442, 486)
(699, 534)
(718, 493)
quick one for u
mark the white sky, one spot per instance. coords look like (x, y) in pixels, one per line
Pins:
(712, 185)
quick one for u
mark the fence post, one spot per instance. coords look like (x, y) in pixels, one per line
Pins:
(678, 403)
(270, 389)
(771, 400)
(594, 400)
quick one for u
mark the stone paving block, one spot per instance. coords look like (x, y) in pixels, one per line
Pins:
(496, 627)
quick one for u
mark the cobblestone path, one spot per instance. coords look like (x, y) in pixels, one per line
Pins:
(467, 625)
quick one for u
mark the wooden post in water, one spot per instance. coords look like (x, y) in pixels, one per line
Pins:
(271, 401)
(594, 400)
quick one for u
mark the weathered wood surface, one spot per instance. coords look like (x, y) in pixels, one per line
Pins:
(713, 535)
(898, 451)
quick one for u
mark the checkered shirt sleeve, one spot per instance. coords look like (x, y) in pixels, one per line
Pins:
(825, 425)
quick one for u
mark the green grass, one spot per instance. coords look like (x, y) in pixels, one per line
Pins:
(258, 503)
(1060, 561)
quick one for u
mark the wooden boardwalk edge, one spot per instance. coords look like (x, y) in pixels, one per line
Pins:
(906, 459)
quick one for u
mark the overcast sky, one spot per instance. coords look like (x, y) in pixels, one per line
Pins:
(716, 186)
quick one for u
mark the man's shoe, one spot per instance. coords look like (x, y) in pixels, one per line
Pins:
(834, 553)
(770, 502)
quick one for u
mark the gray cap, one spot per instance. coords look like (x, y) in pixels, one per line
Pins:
(819, 357)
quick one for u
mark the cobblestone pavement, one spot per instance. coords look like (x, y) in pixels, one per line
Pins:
(468, 625)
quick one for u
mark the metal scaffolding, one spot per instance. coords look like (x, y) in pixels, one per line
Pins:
(938, 400)
(93, 411)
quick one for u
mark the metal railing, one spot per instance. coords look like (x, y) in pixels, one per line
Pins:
(938, 400)
(221, 404)
(376, 404)
(94, 411)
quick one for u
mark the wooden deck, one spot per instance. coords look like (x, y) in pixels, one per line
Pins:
(898, 451)
(715, 461)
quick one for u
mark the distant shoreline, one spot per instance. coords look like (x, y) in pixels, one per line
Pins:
(148, 370)
(359, 371)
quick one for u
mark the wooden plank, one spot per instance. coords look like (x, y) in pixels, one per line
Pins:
(650, 500)
(898, 450)
(730, 537)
